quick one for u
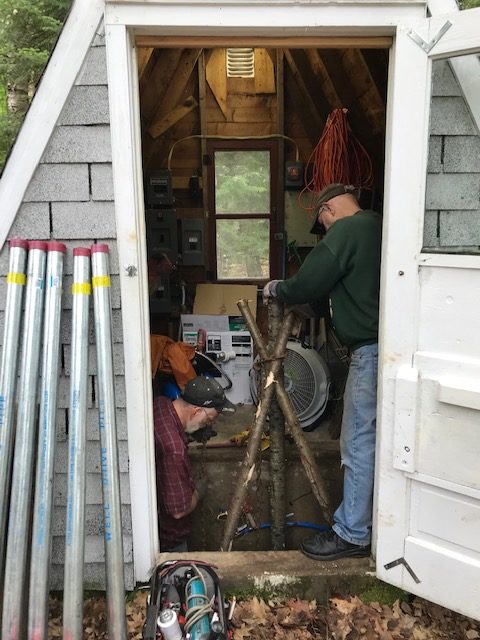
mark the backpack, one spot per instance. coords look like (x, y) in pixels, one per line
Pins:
(185, 598)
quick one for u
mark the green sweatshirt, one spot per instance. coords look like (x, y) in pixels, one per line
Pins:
(345, 265)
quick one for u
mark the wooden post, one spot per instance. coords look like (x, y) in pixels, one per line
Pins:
(277, 440)
(249, 463)
(306, 456)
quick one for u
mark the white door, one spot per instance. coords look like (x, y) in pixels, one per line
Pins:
(427, 511)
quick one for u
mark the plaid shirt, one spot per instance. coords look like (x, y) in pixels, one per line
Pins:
(175, 484)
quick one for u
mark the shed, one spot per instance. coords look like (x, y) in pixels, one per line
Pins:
(131, 79)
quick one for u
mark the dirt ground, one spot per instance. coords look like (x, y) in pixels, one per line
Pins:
(344, 618)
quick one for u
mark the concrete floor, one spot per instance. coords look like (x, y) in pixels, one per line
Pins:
(220, 464)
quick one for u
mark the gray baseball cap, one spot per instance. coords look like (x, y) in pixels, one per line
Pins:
(207, 393)
(326, 194)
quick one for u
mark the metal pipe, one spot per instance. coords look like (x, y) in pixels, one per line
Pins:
(16, 279)
(108, 442)
(14, 618)
(75, 529)
(42, 512)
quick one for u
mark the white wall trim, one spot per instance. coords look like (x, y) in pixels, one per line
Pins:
(42, 116)
(234, 18)
(131, 242)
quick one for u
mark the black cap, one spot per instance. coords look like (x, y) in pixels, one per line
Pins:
(326, 194)
(207, 393)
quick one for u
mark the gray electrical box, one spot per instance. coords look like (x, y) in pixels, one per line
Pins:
(192, 241)
(162, 235)
(161, 300)
(158, 188)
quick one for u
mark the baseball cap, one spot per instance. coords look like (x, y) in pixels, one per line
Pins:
(207, 393)
(326, 194)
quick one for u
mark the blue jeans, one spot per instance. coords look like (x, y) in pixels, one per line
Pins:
(353, 518)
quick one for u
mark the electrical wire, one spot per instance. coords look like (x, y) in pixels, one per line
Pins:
(270, 136)
(241, 531)
(337, 157)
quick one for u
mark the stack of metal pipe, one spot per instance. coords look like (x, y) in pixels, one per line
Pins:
(32, 320)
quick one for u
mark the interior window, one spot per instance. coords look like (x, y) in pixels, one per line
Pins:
(243, 209)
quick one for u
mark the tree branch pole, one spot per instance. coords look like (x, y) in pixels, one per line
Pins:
(276, 421)
(318, 487)
(247, 469)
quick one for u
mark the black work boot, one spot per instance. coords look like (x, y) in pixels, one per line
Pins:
(327, 545)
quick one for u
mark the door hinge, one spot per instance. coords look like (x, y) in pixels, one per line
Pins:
(428, 46)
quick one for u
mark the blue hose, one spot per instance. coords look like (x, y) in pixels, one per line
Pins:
(266, 525)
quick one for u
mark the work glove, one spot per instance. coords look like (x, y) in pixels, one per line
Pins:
(270, 290)
(201, 487)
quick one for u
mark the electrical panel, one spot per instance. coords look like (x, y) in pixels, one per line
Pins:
(161, 299)
(192, 236)
(162, 235)
(233, 352)
(158, 188)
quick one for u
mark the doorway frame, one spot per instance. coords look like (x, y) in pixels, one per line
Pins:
(125, 21)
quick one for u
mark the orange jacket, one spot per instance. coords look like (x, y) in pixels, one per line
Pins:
(173, 358)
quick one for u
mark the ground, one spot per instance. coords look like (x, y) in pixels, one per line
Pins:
(345, 617)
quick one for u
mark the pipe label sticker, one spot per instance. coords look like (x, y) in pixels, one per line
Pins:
(16, 278)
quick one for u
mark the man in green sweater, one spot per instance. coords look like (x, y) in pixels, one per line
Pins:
(345, 266)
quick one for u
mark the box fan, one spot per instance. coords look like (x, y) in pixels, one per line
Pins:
(307, 382)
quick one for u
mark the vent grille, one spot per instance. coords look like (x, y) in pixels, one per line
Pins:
(240, 63)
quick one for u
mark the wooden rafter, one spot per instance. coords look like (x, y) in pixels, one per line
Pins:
(154, 88)
(295, 84)
(171, 101)
(323, 79)
(365, 88)
(143, 58)
(216, 74)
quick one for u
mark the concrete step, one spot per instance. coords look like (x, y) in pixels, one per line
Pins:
(282, 573)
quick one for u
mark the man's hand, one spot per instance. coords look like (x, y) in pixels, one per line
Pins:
(270, 290)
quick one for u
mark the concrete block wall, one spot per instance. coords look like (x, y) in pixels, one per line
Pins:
(70, 199)
(452, 208)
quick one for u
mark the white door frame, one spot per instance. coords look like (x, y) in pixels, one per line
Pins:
(124, 20)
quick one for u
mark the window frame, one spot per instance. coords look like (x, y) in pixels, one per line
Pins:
(275, 217)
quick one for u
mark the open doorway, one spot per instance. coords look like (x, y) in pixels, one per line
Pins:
(198, 119)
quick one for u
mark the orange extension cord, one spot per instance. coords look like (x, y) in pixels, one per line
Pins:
(337, 157)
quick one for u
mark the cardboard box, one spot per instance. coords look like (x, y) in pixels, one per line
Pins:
(221, 299)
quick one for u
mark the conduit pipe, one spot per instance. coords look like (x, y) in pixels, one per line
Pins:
(76, 471)
(14, 618)
(16, 279)
(108, 443)
(42, 513)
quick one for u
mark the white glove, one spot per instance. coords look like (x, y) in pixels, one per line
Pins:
(270, 290)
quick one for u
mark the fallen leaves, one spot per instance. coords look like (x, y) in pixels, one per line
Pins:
(345, 618)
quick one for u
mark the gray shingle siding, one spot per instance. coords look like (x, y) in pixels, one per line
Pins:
(453, 181)
(70, 199)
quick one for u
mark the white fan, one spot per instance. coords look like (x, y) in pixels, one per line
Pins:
(307, 382)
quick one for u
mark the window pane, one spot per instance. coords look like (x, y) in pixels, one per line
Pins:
(452, 208)
(242, 182)
(242, 249)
